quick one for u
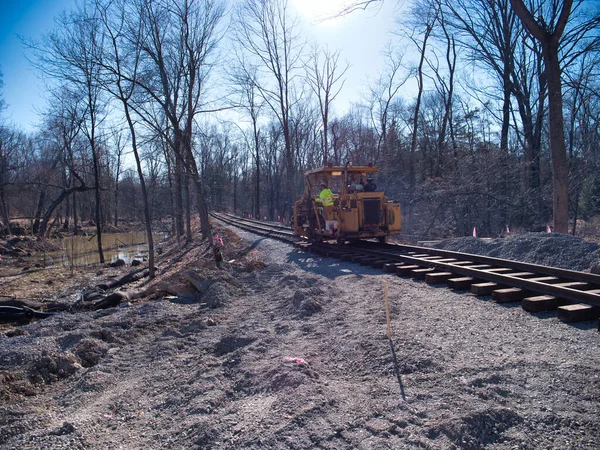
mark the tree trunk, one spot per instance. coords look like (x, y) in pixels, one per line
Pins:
(413, 145)
(178, 197)
(560, 165)
(188, 207)
(48, 214)
(38, 212)
(257, 157)
(203, 210)
(4, 211)
(75, 231)
(98, 206)
(147, 216)
(550, 49)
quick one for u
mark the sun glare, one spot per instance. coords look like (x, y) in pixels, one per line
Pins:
(315, 10)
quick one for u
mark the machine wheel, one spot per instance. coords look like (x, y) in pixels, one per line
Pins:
(381, 239)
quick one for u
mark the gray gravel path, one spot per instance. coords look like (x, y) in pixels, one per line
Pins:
(298, 358)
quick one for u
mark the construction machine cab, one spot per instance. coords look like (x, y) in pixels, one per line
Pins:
(359, 211)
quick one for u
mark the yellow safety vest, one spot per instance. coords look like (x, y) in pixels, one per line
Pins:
(326, 197)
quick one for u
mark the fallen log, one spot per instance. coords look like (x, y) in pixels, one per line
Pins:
(15, 310)
(18, 313)
(111, 300)
(130, 277)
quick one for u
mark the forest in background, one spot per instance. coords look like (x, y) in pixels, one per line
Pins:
(169, 108)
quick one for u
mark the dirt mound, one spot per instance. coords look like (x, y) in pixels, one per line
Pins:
(548, 249)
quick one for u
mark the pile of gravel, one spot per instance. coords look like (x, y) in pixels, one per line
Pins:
(549, 249)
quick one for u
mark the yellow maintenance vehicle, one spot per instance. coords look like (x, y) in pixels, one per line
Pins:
(358, 210)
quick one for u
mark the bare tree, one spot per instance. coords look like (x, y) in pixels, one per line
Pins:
(71, 53)
(549, 34)
(350, 7)
(267, 34)
(120, 63)
(428, 19)
(117, 163)
(323, 78)
(180, 40)
(446, 91)
(244, 78)
(383, 94)
(4, 164)
(487, 29)
(63, 123)
(11, 152)
(66, 117)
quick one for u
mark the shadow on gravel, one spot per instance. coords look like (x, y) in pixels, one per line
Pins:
(587, 325)
(319, 265)
(397, 370)
(253, 246)
(508, 305)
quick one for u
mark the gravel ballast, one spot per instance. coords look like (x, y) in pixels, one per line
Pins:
(548, 249)
(295, 355)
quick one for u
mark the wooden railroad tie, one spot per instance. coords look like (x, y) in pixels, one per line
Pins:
(577, 313)
(485, 288)
(391, 267)
(508, 295)
(480, 267)
(419, 274)
(460, 283)
(522, 274)
(542, 303)
(573, 285)
(446, 260)
(405, 269)
(544, 279)
(437, 277)
(499, 270)
(379, 263)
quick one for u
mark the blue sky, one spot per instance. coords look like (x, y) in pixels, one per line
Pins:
(23, 90)
(360, 36)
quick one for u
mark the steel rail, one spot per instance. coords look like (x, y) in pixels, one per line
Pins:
(507, 279)
(254, 221)
(257, 227)
(399, 254)
(438, 259)
(517, 265)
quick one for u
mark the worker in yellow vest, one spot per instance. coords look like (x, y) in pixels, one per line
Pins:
(326, 199)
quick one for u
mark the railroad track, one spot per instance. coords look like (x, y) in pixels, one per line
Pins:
(269, 229)
(574, 295)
